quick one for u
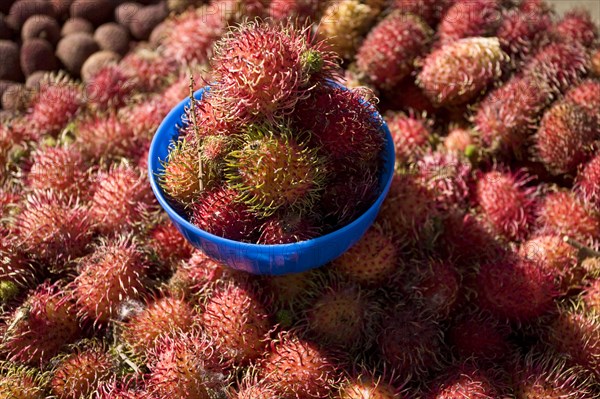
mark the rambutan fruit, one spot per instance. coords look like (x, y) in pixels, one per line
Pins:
(379, 256)
(548, 376)
(507, 203)
(559, 65)
(576, 334)
(109, 88)
(210, 120)
(446, 176)
(595, 63)
(264, 70)
(251, 387)
(577, 26)
(555, 256)
(470, 18)
(288, 291)
(121, 201)
(19, 382)
(344, 24)
(299, 369)
(563, 213)
(197, 275)
(112, 274)
(521, 32)
(62, 169)
(191, 35)
(411, 134)
(162, 316)
(238, 11)
(237, 323)
(411, 344)
(457, 72)
(120, 389)
(587, 183)
(151, 70)
(180, 177)
(53, 229)
(105, 138)
(79, 374)
(302, 10)
(429, 10)
(407, 96)
(341, 122)
(287, 228)
(40, 328)
(181, 367)
(506, 117)
(591, 296)
(515, 289)
(586, 95)
(566, 137)
(479, 336)
(16, 271)
(464, 381)
(168, 245)
(459, 140)
(273, 169)
(218, 212)
(367, 385)
(388, 53)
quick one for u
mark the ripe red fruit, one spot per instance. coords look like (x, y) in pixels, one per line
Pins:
(429, 10)
(586, 95)
(19, 382)
(479, 336)
(110, 87)
(515, 289)
(39, 329)
(380, 259)
(121, 201)
(507, 203)
(469, 18)
(161, 317)
(299, 369)
(591, 296)
(388, 52)
(168, 245)
(237, 322)
(59, 168)
(587, 183)
(459, 140)
(302, 10)
(410, 133)
(15, 268)
(577, 26)
(105, 138)
(112, 274)
(287, 228)
(150, 69)
(562, 213)
(368, 385)
(218, 212)
(457, 72)
(522, 31)
(463, 381)
(446, 176)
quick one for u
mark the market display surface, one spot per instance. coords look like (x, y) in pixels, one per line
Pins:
(480, 277)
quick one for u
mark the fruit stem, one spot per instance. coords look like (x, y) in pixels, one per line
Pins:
(195, 125)
(584, 252)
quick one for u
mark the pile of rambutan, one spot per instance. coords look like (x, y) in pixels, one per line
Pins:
(479, 279)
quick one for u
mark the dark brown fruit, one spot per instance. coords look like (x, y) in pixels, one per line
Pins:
(10, 67)
(126, 13)
(6, 32)
(75, 25)
(15, 97)
(37, 55)
(146, 19)
(21, 10)
(74, 49)
(95, 11)
(61, 8)
(96, 62)
(112, 37)
(42, 27)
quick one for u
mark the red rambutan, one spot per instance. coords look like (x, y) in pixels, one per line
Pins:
(19, 382)
(109, 276)
(180, 174)
(110, 87)
(521, 32)
(586, 95)
(287, 228)
(105, 138)
(411, 135)
(151, 70)
(595, 64)
(388, 52)
(409, 97)
(368, 385)
(168, 244)
(143, 118)
(479, 336)
(457, 72)
(302, 10)
(464, 381)
(429, 10)
(15, 270)
(577, 26)
(591, 296)
(198, 275)
(459, 140)
(470, 18)
(587, 183)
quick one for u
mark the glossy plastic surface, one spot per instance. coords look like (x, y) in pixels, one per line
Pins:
(255, 258)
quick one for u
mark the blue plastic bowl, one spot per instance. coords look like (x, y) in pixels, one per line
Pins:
(255, 258)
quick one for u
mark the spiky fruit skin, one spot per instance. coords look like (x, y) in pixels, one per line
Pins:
(479, 336)
(587, 183)
(367, 387)
(210, 120)
(591, 296)
(299, 369)
(252, 387)
(344, 25)
(79, 374)
(179, 368)
(53, 228)
(595, 64)
(515, 289)
(218, 212)
(410, 134)
(428, 10)
(192, 34)
(446, 176)
(54, 105)
(562, 213)
(378, 254)
(410, 344)
(17, 382)
(459, 140)
(262, 70)
(41, 327)
(388, 52)
(507, 203)
(413, 99)
(169, 245)
(162, 317)
(505, 117)
(555, 256)
(304, 10)
(121, 201)
(15, 268)
(559, 65)
(577, 26)
(522, 31)
(105, 138)
(435, 287)
(60, 168)
(463, 381)
(180, 177)
(469, 18)
(287, 229)
(577, 335)
(197, 275)
(342, 124)
(237, 322)
(586, 95)
(150, 69)
(273, 170)
(457, 72)
(566, 137)
(547, 376)
(113, 273)
(118, 390)
(110, 87)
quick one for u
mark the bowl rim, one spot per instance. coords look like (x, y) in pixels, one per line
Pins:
(388, 151)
